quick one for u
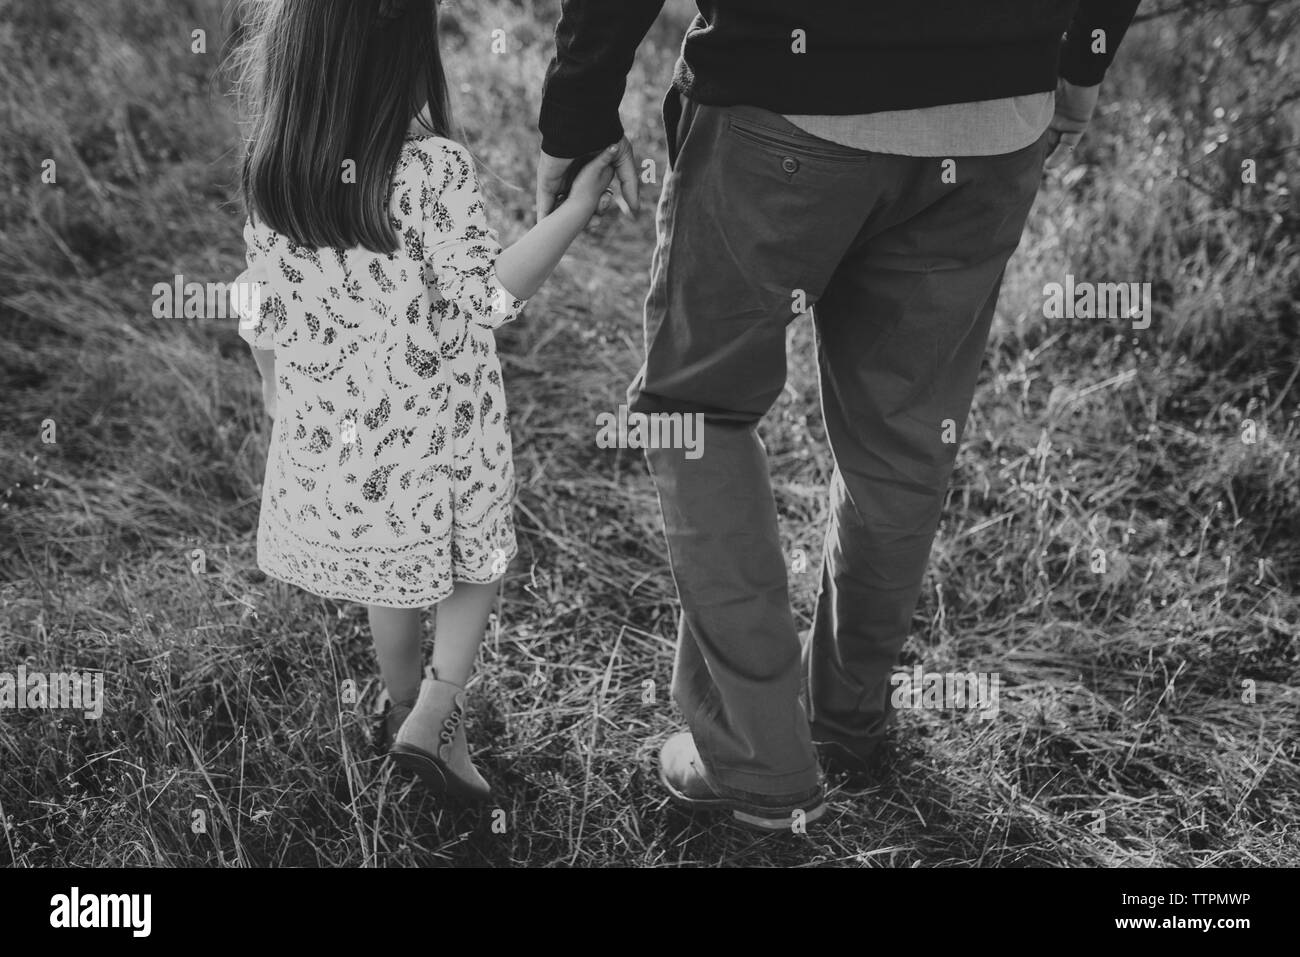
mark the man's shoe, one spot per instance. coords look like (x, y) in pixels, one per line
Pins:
(683, 774)
(839, 759)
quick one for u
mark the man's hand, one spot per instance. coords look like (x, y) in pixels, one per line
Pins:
(1074, 108)
(550, 178)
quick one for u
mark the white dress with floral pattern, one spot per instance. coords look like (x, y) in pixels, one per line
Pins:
(389, 474)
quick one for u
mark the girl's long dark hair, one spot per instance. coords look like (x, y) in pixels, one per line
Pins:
(323, 82)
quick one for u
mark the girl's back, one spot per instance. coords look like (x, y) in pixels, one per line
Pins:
(389, 473)
(389, 478)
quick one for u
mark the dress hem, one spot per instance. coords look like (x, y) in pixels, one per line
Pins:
(442, 593)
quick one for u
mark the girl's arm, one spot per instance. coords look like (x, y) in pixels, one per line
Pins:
(265, 359)
(256, 309)
(472, 272)
(526, 265)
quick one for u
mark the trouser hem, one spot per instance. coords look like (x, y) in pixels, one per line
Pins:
(761, 785)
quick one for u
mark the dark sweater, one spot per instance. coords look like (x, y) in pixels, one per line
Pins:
(863, 56)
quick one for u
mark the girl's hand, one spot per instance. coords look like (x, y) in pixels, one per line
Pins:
(591, 184)
(552, 170)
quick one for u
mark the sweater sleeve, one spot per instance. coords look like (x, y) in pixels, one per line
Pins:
(595, 44)
(1093, 39)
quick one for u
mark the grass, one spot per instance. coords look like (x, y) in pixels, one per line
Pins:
(1126, 734)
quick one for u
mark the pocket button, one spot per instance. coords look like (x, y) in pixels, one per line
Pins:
(790, 165)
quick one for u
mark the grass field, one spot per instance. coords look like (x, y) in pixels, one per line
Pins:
(1149, 712)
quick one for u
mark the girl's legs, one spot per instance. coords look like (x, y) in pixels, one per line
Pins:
(396, 634)
(462, 621)
(431, 742)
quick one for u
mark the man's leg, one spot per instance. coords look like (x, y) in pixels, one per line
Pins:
(901, 334)
(755, 215)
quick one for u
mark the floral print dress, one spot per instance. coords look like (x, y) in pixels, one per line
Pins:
(389, 474)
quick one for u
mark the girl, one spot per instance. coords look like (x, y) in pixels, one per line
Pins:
(389, 478)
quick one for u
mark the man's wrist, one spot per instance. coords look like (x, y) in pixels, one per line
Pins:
(569, 132)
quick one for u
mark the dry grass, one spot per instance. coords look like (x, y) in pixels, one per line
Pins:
(1123, 738)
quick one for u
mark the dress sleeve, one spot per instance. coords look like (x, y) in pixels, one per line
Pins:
(252, 299)
(459, 246)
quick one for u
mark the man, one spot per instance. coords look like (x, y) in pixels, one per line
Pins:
(876, 161)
